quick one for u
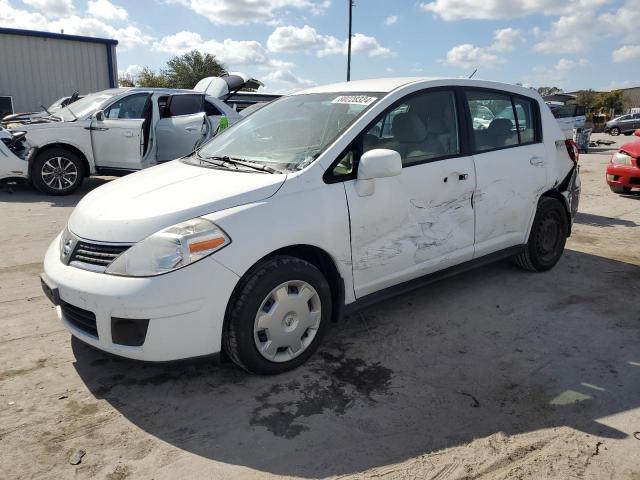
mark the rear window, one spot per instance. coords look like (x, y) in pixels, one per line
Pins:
(568, 111)
(184, 105)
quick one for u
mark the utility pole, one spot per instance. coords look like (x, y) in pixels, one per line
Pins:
(349, 41)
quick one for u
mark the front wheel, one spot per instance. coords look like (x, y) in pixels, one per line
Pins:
(277, 316)
(57, 171)
(615, 131)
(547, 238)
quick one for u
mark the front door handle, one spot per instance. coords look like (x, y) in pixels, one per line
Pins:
(192, 129)
(461, 176)
(536, 161)
(128, 133)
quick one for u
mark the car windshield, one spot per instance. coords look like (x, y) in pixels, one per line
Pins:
(289, 133)
(86, 105)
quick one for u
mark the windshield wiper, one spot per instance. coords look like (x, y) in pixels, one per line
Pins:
(245, 163)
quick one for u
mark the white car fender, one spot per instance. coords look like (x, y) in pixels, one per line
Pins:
(75, 134)
(312, 215)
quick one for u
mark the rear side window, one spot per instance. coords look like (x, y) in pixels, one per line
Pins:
(497, 129)
(501, 120)
(184, 105)
(422, 128)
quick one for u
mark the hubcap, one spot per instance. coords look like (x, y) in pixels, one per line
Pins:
(548, 236)
(59, 173)
(287, 321)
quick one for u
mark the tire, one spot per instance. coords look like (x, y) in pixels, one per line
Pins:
(276, 292)
(615, 131)
(57, 171)
(627, 134)
(547, 238)
(620, 190)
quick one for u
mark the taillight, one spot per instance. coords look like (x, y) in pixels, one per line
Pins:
(572, 150)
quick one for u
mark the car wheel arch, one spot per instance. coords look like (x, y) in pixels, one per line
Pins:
(66, 146)
(318, 257)
(555, 193)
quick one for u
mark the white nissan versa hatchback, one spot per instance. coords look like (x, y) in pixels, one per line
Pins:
(319, 202)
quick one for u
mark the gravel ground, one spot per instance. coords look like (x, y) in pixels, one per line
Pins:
(497, 373)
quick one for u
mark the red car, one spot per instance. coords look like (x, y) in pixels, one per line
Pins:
(623, 170)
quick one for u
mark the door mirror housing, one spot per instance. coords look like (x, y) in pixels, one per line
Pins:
(99, 116)
(379, 163)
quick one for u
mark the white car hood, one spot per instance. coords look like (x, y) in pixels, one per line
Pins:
(133, 207)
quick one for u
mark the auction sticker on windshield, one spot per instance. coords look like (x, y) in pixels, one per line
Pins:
(355, 99)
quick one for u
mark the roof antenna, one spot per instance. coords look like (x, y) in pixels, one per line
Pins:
(474, 72)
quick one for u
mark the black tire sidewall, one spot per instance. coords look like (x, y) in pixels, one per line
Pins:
(619, 190)
(545, 207)
(257, 284)
(41, 159)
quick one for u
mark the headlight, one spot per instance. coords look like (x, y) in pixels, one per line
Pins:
(169, 249)
(621, 158)
(67, 243)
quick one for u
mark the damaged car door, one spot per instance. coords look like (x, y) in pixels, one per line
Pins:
(181, 127)
(419, 221)
(118, 132)
(511, 168)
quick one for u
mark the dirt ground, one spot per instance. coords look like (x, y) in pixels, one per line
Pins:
(497, 373)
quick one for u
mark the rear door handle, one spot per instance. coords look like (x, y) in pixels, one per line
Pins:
(128, 133)
(192, 129)
(536, 161)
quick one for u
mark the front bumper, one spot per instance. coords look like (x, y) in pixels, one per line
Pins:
(12, 166)
(626, 176)
(183, 311)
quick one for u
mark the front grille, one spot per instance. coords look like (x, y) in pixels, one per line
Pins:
(96, 254)
(81, 319)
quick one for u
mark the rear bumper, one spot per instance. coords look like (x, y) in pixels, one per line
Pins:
(623, 176)
(170, 317)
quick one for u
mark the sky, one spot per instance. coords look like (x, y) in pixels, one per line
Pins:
(292, 44)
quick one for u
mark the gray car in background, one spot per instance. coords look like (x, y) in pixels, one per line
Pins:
(626, 124)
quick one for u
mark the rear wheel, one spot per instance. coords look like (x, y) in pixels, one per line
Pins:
(278, 315)
(547, 238)
(57, 171)
(615, 131)
(618, 189)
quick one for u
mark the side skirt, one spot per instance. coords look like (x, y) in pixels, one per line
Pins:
(420, 282)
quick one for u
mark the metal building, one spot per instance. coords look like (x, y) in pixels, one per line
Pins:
(38, 68)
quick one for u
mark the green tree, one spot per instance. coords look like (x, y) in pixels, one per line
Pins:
(587, 98)
(150, 78)
(543, 91)
(184, 71)
(126, 81)
(612, 100)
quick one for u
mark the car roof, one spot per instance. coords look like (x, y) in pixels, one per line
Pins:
(386, 85)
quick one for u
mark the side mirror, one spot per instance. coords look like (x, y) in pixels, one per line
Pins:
(637, 132)
(378, 163)
(99, 116)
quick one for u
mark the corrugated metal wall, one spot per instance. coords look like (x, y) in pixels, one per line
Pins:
(37, 71)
